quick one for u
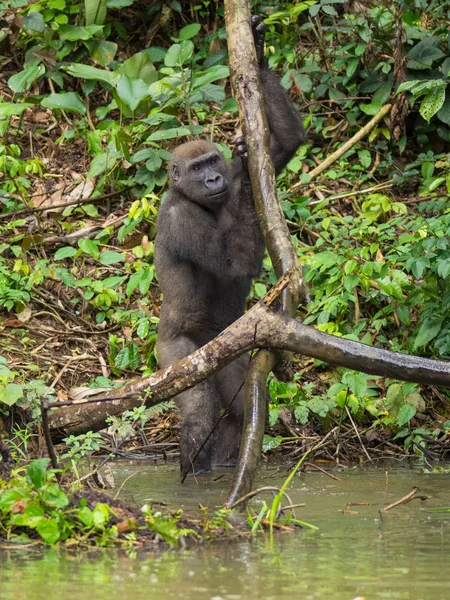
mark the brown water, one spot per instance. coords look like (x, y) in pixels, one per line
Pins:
(404, 556)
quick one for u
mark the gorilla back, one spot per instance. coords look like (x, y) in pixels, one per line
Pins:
(208, 248)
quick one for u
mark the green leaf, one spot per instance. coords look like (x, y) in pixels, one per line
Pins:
(143, 329)
(175, 132)
(74, 33)
(139, 66)
(405, 414)
(102, 51)
(8, 497)
(85, 516)
(100, 514)
(365, 158)
(427, 332)
(54, 496)
(132, 91)
(111, 258)
(424, 54)
(8, 109)
(260, 290)
(95, 11)
(36, 472)
(133, 282)
(103, 162)
(48, 530)
(88, 72)
(22, 81)
(146, 279)
(189, 31)
(119, 3)
(89, 247)
(370, 109)
(213, 74)
(178, 54)
(70, 101)
(432, 103)
(34, 21)
(303, 82)
(66, 252)
(10, 393)
(270, 443)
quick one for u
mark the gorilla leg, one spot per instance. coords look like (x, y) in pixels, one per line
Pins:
(231, 382)
(199, 406)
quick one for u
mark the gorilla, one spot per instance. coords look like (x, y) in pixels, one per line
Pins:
(208, 248)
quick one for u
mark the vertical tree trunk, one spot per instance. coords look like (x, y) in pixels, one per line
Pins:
(247, 86)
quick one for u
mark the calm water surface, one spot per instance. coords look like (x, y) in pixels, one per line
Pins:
(354, 553)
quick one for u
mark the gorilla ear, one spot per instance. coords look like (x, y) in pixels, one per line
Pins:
(175, 173)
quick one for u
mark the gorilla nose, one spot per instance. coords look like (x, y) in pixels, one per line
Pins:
(214, 183)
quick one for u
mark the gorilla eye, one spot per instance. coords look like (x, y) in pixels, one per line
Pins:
(196, 168)
(213, 160)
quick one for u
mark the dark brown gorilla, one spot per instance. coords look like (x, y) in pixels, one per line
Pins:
(208, 248)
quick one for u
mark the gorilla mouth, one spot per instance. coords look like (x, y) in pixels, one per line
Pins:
(223, 191)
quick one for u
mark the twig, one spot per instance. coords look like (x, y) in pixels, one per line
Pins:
(411, 496)
(357, 433)
(253, 493)
(39, 209)
(375, 188)
(322, 471)
(345, 147)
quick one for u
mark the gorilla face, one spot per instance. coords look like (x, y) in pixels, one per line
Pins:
(202, 179)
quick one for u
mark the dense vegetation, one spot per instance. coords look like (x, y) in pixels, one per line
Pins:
(92, 97)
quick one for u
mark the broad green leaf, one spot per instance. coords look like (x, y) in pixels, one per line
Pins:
(424, 54)
(119, 3)
(189, 31)
(139, 66)
(10, 393)
(22, 81)
(85, 516)
(166, 134)
(111, 258)
(132, 91)
(34, 21)
(370, 109)
(405, 414)
(8, 497)
(74, 33)
(103, 162)
(142, 330)
(303, 82)
(427, 332)
(89, 72)
(260, 290)
(270, 443)
(89, 247)
(178, 54)
(154, 162)
(100, 514)
(8, 109)
(213, 74)
(102, 51)
(69, 101)
(54, 496)
(95, 11)
(48, 530)
(36, 472)
(432, 103)
(133, 282)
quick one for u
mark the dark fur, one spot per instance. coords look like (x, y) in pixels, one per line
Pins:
(208, 248)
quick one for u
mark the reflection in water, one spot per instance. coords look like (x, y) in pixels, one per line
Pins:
(354, 554)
